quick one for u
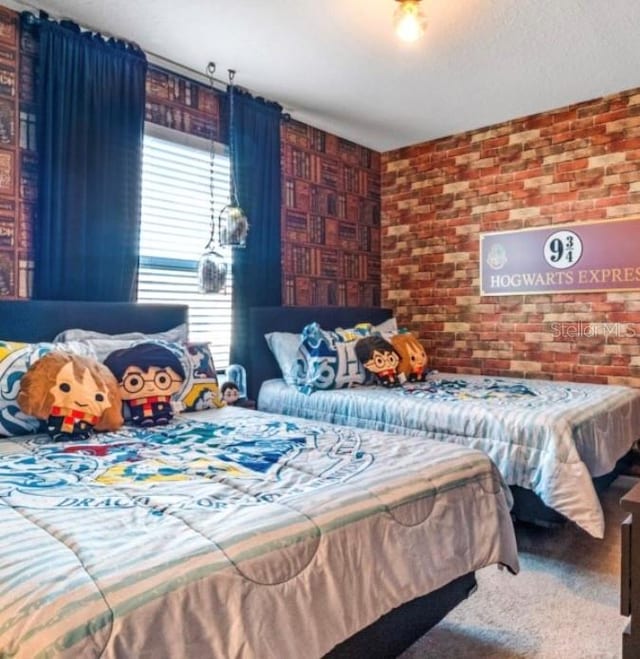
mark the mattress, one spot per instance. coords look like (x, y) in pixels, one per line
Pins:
(549, 437)
(232, 533)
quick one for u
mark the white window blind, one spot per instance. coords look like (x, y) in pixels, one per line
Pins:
(176, 223)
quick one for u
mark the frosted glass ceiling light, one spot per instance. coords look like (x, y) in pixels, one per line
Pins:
(408, 20)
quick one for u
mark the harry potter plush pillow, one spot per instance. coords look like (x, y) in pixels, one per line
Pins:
(148, 375)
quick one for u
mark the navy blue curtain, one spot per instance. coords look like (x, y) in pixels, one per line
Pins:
(90, 104)
(257, 268)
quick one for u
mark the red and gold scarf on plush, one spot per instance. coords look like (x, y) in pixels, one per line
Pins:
(70, 417)
(147, 403)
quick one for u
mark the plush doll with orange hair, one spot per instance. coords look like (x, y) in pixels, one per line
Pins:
(72, 394)
(413, 358)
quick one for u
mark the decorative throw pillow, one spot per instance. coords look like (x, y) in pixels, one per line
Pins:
(330, 361)
(72, 394)
(15, 361)
(413, 358)
(285, 347)
(201, 390)
(386, 329)
(380, 358)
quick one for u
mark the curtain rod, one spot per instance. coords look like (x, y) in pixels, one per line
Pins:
(177, 67)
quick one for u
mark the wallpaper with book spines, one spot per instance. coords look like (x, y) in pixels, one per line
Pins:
(177, 102)
(14, 237)
(331, 187)
(330, 219)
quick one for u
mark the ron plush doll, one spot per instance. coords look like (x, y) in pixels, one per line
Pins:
(148, 375)
(72, 394)
(413, 357)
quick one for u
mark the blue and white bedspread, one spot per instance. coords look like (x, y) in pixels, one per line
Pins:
(549, 437)
(233, 534)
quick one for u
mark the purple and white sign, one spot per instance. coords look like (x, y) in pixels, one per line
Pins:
(590, 256)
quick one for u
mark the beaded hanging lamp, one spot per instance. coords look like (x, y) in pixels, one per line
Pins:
(232, 222)
(212, 266)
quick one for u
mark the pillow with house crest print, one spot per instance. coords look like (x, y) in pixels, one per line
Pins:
(15, 360)
(330, 361)
(201, 391)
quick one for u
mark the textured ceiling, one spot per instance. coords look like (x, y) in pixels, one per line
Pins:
(337, 65)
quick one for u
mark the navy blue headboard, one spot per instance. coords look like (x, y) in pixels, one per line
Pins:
(263, 320)
(30, 321)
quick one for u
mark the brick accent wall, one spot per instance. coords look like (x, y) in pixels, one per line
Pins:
(574, 164)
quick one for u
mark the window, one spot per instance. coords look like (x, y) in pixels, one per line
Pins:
(176, 222)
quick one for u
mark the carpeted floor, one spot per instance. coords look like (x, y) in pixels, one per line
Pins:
(564, 604)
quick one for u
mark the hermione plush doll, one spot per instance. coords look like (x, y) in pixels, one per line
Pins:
(72, 394)
(413, 358)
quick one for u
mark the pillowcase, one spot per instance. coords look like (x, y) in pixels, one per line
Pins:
(386, 329)
(201, 391)
(175, 334)
(330, 361)
(285, 348)
(15, 361)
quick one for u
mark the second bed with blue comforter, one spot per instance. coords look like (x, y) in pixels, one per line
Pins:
(549, 437)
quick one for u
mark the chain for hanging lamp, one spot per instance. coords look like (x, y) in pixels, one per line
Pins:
(233, 224)
(212, 266)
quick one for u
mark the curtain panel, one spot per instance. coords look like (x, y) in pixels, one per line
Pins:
(90, 105)
(257, 268)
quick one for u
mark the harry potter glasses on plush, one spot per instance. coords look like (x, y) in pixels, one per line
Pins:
(134, 382)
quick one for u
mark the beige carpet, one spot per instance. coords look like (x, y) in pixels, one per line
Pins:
(564, 604)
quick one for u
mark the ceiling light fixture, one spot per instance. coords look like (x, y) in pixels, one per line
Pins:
(212, 266)
(408, 20)
(233, 226)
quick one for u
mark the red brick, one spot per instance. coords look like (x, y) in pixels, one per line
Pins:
(498, 326)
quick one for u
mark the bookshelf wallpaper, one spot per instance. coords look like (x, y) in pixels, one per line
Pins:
(330, 219)
(15, 195)
(185, 105)
(331, 187)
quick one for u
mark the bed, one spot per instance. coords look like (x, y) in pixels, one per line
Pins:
(232, 532)
(555, 443)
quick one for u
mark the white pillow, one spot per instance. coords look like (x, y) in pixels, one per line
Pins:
(387, 328)
(176, 334)
(285, 348)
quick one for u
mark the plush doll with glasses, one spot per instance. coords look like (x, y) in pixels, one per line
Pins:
(148, 375)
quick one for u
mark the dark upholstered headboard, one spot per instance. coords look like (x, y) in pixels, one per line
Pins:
(30, 321)
(263, 320)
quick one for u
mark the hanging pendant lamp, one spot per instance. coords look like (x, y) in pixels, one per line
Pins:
(232, 222)
(212, 266)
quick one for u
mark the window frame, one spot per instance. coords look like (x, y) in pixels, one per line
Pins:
(148, 263)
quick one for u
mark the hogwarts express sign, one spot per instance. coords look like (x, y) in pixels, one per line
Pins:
(590, 256)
